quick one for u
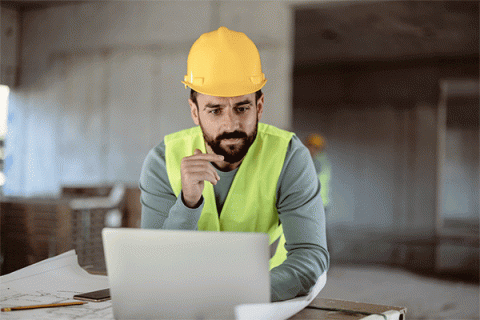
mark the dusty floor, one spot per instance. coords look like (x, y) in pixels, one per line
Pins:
(425, 298)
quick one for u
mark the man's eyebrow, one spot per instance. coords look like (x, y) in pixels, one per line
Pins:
(212, 105)
(216, 105)
(246, 101)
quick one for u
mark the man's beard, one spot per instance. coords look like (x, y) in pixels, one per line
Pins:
(231, 153)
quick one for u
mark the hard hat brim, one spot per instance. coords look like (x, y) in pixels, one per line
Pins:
(227, 89)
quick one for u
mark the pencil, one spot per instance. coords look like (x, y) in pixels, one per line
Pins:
(51, 305)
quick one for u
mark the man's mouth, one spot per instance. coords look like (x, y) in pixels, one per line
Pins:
(232, 140)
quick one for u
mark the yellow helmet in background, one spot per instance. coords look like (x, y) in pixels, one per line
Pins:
(224, 63)
(316, 140)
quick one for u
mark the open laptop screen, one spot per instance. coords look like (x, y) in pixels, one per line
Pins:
(184, 274)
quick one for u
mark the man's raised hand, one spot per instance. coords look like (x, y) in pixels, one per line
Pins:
(196, 169)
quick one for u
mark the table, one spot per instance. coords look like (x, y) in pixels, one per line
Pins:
(57, 279)
(309, 313)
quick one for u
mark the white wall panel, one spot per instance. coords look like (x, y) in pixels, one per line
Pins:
(173, 96)
(81, 133)
(130, 104)
(278, 106)
(15, 146)
(36, 155)
(262, 21)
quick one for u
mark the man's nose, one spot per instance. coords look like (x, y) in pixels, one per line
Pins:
(231, 120)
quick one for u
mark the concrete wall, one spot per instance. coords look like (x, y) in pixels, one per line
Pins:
(100, 84)
(9, 45)
(371, 86)
(460, 186)
(382, 174)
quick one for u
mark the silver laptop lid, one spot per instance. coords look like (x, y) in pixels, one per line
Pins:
(184, 274)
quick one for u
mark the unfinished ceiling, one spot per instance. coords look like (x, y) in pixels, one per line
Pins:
(386, 30)
(24, 5)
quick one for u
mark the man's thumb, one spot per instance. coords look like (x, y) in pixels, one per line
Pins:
(197, 151)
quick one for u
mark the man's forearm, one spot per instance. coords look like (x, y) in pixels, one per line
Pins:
(299, 273)
(168, 213)
(181, 217)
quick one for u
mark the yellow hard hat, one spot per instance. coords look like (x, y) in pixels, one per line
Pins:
(316, 140)
(224, 63)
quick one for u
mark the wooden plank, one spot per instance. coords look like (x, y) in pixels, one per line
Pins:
(341, 309)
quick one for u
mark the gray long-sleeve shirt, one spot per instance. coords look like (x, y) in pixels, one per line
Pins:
(299, 207)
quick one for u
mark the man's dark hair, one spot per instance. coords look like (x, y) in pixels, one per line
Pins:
(193, 96)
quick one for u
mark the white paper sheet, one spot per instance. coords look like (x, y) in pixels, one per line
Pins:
(53, 280)
(387, 315)
(279, 310)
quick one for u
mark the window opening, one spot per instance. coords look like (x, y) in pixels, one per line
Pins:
(4, 92)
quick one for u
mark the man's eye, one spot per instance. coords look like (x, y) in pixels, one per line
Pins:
(215, 111)
(242, 109)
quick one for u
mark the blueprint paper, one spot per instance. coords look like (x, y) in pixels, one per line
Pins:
(53, 280)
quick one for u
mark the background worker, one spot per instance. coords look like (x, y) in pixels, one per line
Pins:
(316, 144)
(232, 173)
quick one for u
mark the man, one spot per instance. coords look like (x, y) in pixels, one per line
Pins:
(231, 173)
(316, 144)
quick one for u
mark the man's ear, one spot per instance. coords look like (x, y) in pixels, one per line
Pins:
(260, 106)
(193, 111)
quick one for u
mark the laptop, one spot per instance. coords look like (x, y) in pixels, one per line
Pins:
(178, 274)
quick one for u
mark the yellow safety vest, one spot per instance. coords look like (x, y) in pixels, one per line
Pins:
(324, 177)
(250, 205)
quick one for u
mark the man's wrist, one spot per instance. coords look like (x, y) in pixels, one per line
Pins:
(194, 206)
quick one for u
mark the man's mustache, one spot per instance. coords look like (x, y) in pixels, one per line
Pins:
(232, 135)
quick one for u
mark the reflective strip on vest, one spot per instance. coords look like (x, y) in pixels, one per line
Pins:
(250, 205)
